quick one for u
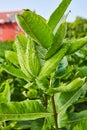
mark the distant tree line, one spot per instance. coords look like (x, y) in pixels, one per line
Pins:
(77, 29)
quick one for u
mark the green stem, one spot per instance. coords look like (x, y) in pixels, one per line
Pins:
(54, 111)
(4, 124)
(44, 124)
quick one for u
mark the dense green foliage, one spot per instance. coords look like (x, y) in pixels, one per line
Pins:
(77, 29)
(43, 75)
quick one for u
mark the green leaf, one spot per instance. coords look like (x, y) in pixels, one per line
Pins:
(63, 63)
(42, 84)
(15, 72)
(36, 27)
(62, 20)
(25, 110)
(72, 86)
(5, 94)
(12, 57)
(82, 72)
(20, 125)
(77, 116)
(78, 121)
(51, 64)
(21, 44)
(58, 13)
(57, 41)
(64, 100)
(9, 127)
(76, 44)
(6, 91)
(41, 51)
(37, 124)
(32, 58)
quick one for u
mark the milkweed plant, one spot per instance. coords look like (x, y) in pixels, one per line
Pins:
(40, 58)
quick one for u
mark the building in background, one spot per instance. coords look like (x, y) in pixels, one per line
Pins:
(8, 26)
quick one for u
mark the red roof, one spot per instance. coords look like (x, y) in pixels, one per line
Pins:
(8, 26)
(6, 17)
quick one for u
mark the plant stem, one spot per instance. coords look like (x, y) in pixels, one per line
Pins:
(4, 123)
(44, 124)
(54, 111)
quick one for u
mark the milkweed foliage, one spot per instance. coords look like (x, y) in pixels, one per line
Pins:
(51, 87)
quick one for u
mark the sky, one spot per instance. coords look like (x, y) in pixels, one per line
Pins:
(45, 7)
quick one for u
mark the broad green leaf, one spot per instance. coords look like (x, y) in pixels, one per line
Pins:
(77, 116)
(78, 121)
(32, 58)
(58, 13)
(76, 44)
(41, 52)
(51, 64)
(21, 44)
(80, 126)
(12, 57)
(36, 27)
(24, 110)
(15, 72)
(62, 20)
(57, 40)
(72, 86)
(62, 119)
(64, 100)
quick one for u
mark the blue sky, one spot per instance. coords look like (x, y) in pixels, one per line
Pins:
(45, 7)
